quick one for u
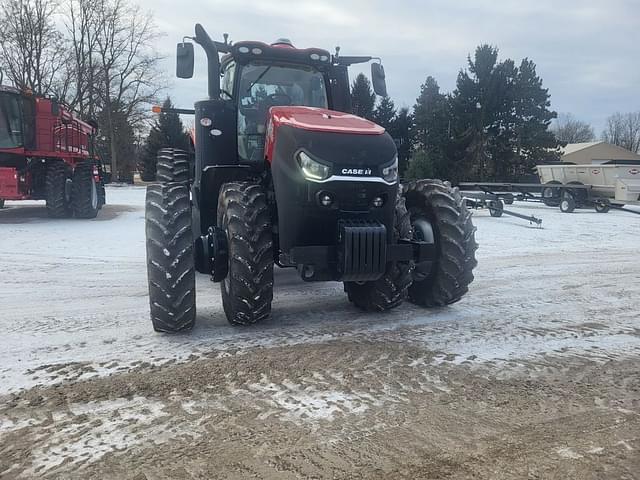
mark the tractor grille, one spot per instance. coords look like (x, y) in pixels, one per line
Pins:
(362, 251)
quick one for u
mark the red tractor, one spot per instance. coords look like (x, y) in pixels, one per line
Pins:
(284, 175)
(46, 154)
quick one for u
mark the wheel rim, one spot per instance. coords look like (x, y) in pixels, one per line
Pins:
(422, 232)
(94, 195)
(565, 205)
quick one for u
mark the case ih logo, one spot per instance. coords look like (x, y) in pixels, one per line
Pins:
(595, 171)
(634, 171)
(356, 171)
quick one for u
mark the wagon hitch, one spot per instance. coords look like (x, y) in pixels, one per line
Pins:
(212, 254)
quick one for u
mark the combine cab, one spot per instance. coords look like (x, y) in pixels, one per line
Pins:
(284, 175)
(45, 154)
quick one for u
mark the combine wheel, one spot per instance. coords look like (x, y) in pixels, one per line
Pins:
(58, 190)
(85, 192)
(496, 207)
(568, 203)
(551, 196)
(170, 260)
(389, 290)
(173, 166)
(437, 210)
(247, 290)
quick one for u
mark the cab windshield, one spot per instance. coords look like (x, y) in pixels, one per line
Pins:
(10, 121)
(263, 86)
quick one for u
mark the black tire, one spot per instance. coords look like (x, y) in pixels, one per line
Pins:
(579, 194)
(85, 194)
(1, 203)
(391, 289)
(551, 195)
(568, 203)
(602, 207)
(247, 290)
(496, 207)
(446, 280)
(170, 258)
(56, 190)
(509, 199)
(173, 166)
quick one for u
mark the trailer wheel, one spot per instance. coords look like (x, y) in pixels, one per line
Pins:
(391, 289)
(58, 190)
(173, 166)
(509, 199)
(568, 203)
(436, 209)
(247, 290)
(496, 207)
(170, 260)
(579, 194)
(602, 207)
(85, 194)
(551, 195)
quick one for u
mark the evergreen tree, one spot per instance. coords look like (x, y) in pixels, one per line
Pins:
(385, 113)
(363, 99)
(124, 144)
(400, 131)
(431, 130)
(167, 132)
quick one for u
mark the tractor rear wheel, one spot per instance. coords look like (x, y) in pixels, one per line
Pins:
(57, 190)
(247, 290)
(173, 166)
(85, 198)
(391, 289)
(170, 258)
(438, 213)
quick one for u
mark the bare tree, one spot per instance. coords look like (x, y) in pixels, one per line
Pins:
(568, 129)
(33, 50)
(127, 64)
(623, 129)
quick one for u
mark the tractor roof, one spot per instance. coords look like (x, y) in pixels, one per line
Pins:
(281, 51)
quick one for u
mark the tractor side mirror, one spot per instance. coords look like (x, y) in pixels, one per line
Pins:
(378, 79)
(184, 60)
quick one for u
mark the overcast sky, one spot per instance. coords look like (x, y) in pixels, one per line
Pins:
(587, 52)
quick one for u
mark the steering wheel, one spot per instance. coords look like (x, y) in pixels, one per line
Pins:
(280, 99)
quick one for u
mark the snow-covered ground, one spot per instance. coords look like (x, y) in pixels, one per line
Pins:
(74, 292)
(533, 373)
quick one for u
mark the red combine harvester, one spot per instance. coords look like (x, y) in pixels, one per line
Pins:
(46, 154)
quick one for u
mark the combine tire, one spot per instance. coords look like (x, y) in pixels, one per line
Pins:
(551, 195)
(170, 260)
(389, 290)
(57, 192)
(85, 195)
(437, 210)
(172, 166)
(247, 290)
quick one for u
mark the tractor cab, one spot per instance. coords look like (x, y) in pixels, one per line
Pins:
(11, 124)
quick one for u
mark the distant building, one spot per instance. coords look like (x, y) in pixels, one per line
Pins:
(596, 152)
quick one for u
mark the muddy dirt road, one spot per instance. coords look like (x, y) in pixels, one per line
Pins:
(535, 374)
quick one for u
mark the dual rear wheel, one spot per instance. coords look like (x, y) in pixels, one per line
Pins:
(70, 192)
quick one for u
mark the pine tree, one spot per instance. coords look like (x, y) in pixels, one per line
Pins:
(167, 132)
(385, 113)
(400, 131)
(363, 98)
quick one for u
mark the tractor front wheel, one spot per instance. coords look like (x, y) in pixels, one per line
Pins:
(438, 214)
(170, 260)
(245, 216)
(391, 289)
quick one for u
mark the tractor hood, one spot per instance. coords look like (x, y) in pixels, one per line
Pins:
(322, 120)
(338, 138)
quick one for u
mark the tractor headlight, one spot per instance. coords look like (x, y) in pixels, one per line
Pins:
(390, 173)
(311, 169)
